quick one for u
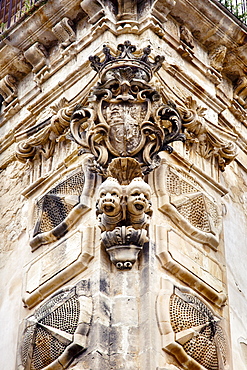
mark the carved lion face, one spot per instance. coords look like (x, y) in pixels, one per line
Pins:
(110, 196)
(138, 197)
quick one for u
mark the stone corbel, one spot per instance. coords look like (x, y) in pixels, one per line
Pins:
(8, 90)
(124, 210)
(240, 92)
(161, 8)
(36, 55)
(64, 32)
(187, 43)
(94, 9)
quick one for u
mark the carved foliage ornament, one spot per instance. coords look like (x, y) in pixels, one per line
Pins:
(125, 116)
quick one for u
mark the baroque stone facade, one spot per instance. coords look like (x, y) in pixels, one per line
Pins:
(123, 187)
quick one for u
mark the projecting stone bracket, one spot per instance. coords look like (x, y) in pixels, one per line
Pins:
(64, 32)
(240, 92)
(37, 56)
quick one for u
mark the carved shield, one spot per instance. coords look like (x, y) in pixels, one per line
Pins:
(124, 120)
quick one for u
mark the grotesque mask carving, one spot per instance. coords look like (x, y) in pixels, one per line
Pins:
(138, 203)
(124, 210)
(109, 206)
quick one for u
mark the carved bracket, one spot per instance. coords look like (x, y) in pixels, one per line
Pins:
(43, 137)
(124, 210)
(208, 141)
(9, 92)
(240, 92)
(64, 32)
(36, 55)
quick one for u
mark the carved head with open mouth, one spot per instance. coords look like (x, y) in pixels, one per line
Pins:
(110, 197)
(138, 197)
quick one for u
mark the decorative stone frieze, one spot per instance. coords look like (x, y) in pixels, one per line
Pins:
(191, 331)
(64, 32)
(57, 331)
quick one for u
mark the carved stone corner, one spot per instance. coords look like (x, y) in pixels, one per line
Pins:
(179, 311)
(161, 8)
(37, 55)
(61, 326)
(62, 262)
(240, 91)
(64, 32)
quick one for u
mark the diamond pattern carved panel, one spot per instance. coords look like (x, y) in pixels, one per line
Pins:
(57, 331)
(191, 331)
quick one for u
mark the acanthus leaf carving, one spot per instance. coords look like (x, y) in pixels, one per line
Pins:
(43, 137)
(208, 141)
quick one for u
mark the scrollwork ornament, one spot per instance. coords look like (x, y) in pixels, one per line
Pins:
(126, 116)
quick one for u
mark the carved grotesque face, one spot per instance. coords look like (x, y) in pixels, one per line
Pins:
(110, 196)
(138, 197)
